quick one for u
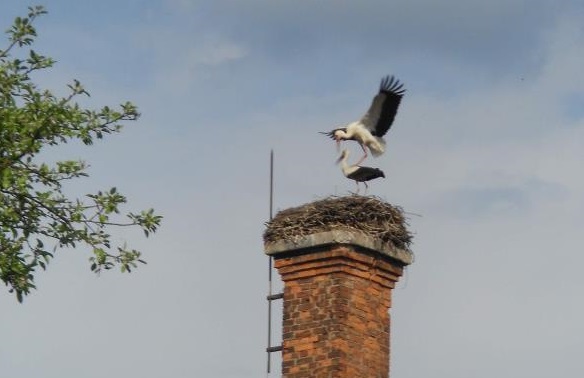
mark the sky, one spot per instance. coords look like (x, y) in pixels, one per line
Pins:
(485, 157)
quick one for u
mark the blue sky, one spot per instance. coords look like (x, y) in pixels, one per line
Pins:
(486, 153)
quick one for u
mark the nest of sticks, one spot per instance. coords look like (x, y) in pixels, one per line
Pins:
(367, 214)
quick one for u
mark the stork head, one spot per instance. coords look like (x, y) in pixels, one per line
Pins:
(339, 135)
(344, 155)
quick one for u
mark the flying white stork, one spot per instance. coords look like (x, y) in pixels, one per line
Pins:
(357, 172)
(370, 129)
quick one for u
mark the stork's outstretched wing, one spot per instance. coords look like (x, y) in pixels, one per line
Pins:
(383, 109)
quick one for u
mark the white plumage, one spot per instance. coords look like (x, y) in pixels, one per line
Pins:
(370, 129)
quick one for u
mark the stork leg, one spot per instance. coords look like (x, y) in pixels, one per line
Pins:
(366, 187)
(357, 182)
(364, 156)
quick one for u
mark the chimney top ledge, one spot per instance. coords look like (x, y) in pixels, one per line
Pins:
(349, 237)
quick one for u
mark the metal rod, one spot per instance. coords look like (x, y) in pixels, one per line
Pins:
(268, 349)
(274, 349)
(273, 297)
(271, 183)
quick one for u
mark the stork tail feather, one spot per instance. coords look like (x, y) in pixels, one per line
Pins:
(379, 148)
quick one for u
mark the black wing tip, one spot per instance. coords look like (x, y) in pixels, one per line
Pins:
(330, 134)
(392, 85)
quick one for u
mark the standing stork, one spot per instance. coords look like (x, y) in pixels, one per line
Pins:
(370, 129)
(357, 172)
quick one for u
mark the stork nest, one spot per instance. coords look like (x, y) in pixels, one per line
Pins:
(367, 214)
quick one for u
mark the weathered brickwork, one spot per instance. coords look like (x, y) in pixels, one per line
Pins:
(336, 313)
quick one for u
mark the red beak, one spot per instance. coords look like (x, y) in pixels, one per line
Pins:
(340, 157)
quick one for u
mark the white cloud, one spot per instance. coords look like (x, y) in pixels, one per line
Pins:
(213, 52)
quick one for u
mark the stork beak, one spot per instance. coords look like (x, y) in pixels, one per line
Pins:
(343, 153)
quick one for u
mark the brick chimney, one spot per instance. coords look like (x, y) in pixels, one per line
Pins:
(339, 259)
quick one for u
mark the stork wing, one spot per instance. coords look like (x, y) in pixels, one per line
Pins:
(331, 134)
(383, 109)
(366, 174)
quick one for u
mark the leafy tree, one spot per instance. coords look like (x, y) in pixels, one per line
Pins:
(36, 217)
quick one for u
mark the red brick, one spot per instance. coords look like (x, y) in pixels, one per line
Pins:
(336, 313)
